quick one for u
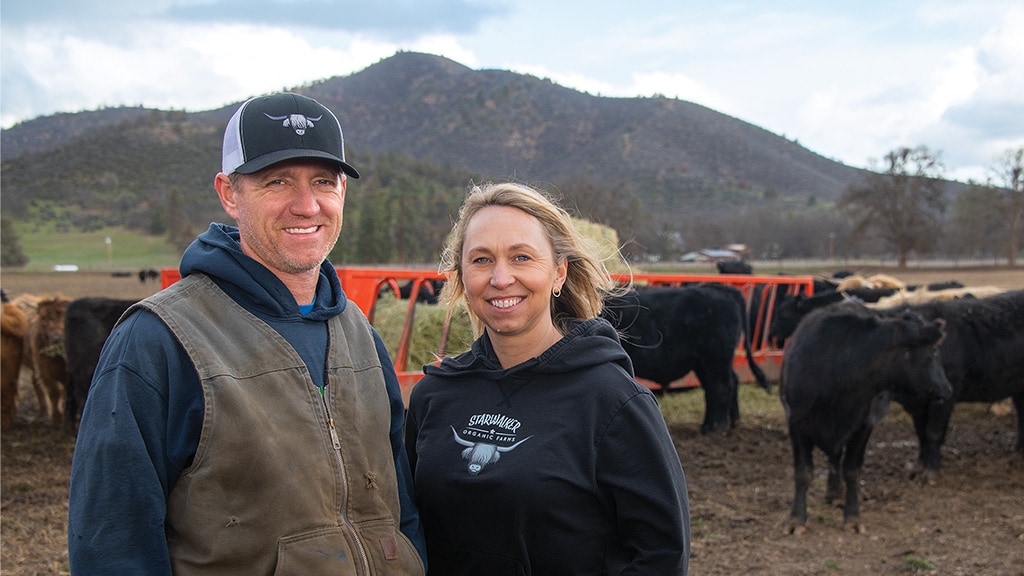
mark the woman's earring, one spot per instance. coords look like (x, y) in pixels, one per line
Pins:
(556, 292)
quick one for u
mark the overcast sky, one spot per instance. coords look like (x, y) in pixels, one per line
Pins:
(848, 80)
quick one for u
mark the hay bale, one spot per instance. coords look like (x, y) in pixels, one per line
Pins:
(389, 319)
(606, 241)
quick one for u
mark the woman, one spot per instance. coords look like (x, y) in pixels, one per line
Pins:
(536, 452)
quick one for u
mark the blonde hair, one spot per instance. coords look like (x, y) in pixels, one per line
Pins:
(587, 281)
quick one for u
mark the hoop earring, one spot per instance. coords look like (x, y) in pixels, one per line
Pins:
(556, 292)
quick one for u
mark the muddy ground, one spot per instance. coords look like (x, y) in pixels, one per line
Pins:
(970, 522)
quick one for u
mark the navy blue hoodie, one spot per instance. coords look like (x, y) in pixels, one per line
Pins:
(560, 465)
(124, 467)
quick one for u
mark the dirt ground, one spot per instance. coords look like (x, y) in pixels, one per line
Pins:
(970, 522)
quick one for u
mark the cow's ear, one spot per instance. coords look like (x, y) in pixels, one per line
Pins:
(928, 333)
(935, 332)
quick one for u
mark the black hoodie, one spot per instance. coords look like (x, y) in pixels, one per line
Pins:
(559, 465)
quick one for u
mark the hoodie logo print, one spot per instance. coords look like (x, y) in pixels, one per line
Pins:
(480, 454)
(298, 122)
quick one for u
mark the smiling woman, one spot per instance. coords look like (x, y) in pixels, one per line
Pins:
(542, 417)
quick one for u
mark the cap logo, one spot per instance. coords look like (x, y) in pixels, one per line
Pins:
(298, 122)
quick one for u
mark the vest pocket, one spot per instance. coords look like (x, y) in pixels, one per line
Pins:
(390, 552)
(324, 551)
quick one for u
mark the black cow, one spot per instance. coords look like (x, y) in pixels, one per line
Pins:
(427, 293)
(793, 308)
(790, 309)
(764, 296)
(734, 267)
(983, 357)
(671, 331)
(838, 372)
(87, 323)
(147, 274)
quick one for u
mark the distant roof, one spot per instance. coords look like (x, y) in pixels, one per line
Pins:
(716, 253)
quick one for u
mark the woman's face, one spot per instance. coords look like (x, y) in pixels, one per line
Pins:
(509, 272)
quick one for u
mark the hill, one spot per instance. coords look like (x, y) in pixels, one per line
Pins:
(662, 160)
(511, 125)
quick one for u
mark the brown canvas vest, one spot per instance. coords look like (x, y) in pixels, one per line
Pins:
(284, 481)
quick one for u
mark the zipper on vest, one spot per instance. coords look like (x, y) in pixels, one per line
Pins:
(360, 549)
(330, 424)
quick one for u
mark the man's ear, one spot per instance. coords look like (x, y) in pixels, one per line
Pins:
(226, 193)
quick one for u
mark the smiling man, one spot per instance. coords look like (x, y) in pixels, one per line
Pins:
(247, 419)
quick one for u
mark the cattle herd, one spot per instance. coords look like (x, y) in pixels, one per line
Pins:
(849, 350)
(54, 342)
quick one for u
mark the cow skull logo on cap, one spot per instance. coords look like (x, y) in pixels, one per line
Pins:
(298, 122)
(480, 454)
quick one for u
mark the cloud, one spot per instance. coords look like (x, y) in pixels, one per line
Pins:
(157, 67)
(391, 19)
(21, 13)
(850, 82)
(71, 55)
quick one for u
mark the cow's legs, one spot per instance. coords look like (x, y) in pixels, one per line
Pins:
(39, 387)
(720, 395)
(57, 402)
(803, 469)
(853, 462)
(1018, 403)
(833, 486)
(938, 415)
(734, 402)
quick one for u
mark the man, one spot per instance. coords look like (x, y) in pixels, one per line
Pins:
(247, 420)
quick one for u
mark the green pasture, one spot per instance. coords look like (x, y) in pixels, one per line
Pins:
(127, 250)
(686, 407)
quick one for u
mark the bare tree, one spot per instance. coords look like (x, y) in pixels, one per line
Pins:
(904, 204)
(1009, 175)
(975, 226)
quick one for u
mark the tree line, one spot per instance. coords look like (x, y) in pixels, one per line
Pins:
(898, 211)
(400, 212)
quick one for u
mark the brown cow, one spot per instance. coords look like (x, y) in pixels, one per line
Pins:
(46, 342)
(13, 328)
(29, 305)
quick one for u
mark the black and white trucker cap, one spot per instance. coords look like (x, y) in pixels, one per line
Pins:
(268, 129)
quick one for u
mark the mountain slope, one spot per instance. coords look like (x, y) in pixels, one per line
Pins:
(511, 125)
(675, 158)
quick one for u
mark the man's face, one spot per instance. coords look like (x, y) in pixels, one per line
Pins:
(289, 214)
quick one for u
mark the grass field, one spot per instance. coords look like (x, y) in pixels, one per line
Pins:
(130, 250)
(126, 250)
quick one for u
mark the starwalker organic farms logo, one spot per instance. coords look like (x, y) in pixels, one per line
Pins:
(486, 437)
(297, 122)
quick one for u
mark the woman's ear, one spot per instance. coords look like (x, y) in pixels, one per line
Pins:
(561, 273)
